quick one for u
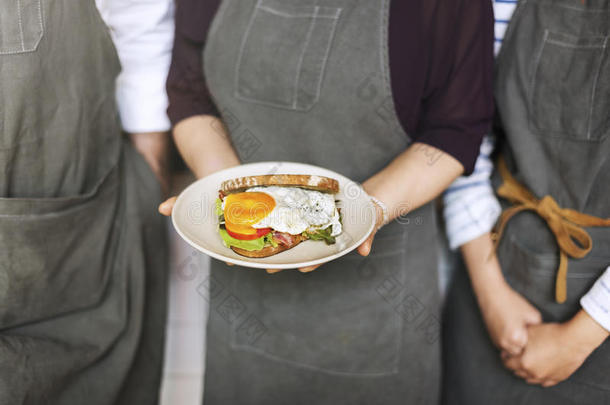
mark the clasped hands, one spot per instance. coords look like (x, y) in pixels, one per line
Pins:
(540, 353)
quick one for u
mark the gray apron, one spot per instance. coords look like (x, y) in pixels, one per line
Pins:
(553, 98)
(82, 252)
(308, 81)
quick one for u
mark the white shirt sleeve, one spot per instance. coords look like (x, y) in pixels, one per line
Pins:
(143, 34)
(597, 301)
(470, 205)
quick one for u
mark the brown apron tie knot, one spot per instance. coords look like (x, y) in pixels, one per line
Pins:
(566, 224)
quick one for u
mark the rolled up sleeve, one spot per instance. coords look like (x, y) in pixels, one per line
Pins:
(186, 86)
(143, 32)
(596, 302)
(458, 103)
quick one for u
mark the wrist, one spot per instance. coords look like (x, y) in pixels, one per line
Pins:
(373, 187)
(381, 210)
(584, 333)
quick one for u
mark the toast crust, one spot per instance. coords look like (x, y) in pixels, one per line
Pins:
(310, 182)
(267, 251)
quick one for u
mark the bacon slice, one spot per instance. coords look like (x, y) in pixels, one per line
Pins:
(286, 239)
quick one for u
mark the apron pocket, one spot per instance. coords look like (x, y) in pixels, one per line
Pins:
(534, 275)
(283, 54)
(569, 87)
(56, 254)
(21, 26)
(337, 319)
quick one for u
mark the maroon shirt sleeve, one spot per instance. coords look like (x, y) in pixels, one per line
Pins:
(441, 64)
(457, 101)
(186, 87)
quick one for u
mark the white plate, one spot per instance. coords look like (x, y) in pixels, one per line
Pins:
(195, 220)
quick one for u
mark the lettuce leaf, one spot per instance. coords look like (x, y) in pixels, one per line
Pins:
(250, 245)
(254, 244)
(219, 212)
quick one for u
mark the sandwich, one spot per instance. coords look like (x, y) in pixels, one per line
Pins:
(260, 216)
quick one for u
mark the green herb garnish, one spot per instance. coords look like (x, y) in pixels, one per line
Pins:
(321, 234)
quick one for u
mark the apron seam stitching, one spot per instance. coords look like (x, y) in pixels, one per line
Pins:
(295, 94)
(322, 65)
(594, 90)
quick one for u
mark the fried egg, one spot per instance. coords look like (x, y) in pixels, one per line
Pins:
(243, 210)
(285, 209)
(298, 210)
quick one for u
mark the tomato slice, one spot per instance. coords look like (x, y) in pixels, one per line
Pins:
(240, 229)
(256, 235)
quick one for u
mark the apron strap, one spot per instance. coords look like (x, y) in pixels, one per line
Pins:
(565, 224)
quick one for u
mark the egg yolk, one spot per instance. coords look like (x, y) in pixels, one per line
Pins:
(242, 210)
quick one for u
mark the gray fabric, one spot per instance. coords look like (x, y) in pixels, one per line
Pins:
(47, 99)
(552, 90)
(82, 264)
(474, 375)
(311, 84)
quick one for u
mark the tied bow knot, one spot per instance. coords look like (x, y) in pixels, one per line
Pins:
(565, 224)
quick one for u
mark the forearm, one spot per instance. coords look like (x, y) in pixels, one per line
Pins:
(596, 302)
(154, 146)
(588, 332)
(470, 206)
(412, 179)
(204, 145)
(483, 267)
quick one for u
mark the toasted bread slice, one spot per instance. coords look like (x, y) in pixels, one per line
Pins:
(317, 183)
(269, 250)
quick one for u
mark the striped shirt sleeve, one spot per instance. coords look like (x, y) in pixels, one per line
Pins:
(143, 32)
(597, 301)
(503, 11)
(470, 205)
